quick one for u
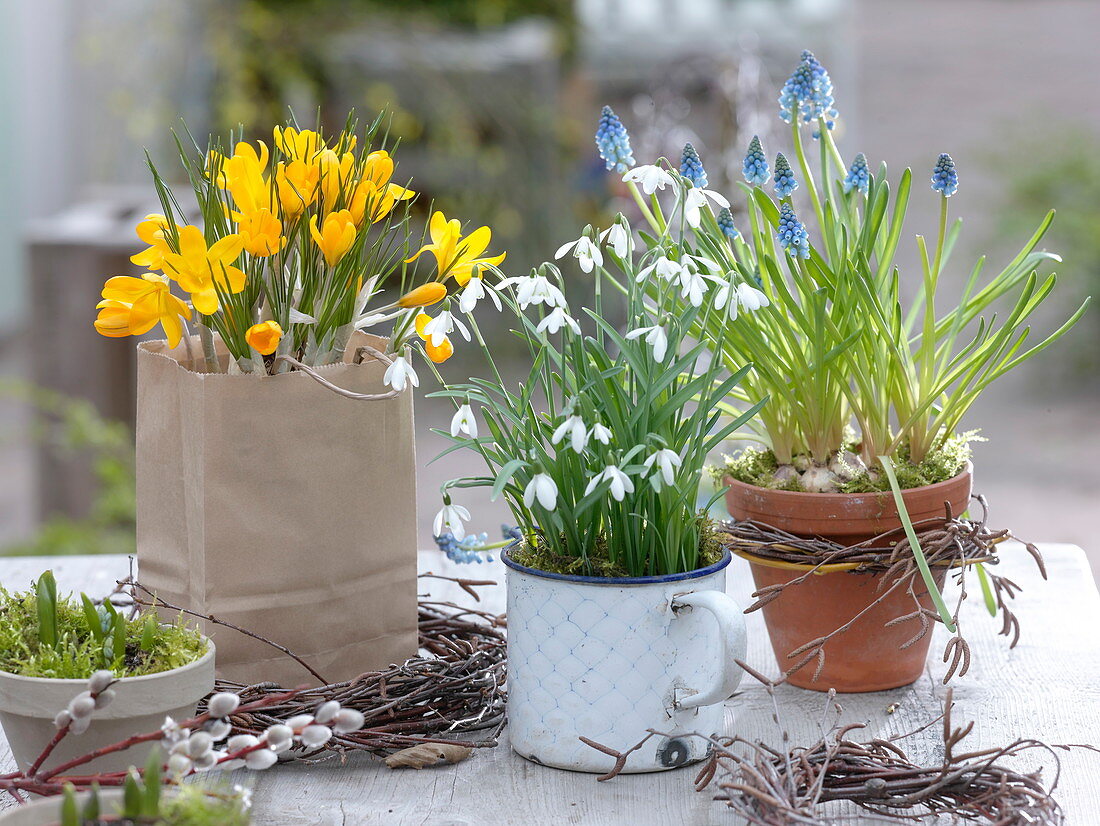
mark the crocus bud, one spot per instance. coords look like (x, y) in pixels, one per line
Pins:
(423, 296)
(223, 704)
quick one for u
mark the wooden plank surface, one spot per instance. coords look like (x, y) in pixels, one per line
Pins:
(1048, 687)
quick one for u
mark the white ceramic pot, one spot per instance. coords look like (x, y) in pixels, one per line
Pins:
(609, 658)
(48, 812)
(28, 706)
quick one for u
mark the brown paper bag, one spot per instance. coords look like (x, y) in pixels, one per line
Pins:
(275, 504)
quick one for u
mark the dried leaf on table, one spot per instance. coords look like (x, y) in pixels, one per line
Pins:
(427, 754)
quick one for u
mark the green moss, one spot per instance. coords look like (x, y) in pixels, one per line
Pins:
(757, 467)
(195, 805)
(599, 563)
(78, 654)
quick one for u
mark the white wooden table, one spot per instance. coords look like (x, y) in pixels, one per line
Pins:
(1048, 687)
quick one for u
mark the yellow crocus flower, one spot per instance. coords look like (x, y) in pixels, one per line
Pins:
(198, 268)
(136, 305)
(369, 202)
(423, 296)
(298, 145)
(457, 256)
(261, 232)
(264, 337)
(336, 235)
(378, 168)
(151, 230)
(243, 175)
(335, 172)
(297, 185)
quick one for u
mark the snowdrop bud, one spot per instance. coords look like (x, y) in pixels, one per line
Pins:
(199, 743)
(100, 680)
(326, 712)
(348, 720)
(314, 737)
(80, 725)
(279, 735)
(179, 765)
(218, 729)
(82, 705)
(206, 760)
(241, 741)
(223, 704)
(260, 760)
(299, 722)
(104, 698)
(62, 719)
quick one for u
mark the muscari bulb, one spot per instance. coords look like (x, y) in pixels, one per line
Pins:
(613, 142)
(785, 182)
(755, 167)
(857, 177)
(944, 177)
(819, 480)
(691, 167)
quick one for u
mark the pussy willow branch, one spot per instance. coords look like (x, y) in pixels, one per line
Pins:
(949, 543)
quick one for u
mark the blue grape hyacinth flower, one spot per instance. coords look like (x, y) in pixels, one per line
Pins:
(791, 233)
(464, 551)
(785, 182)
(725, 223)
(944, 177)
(691, 167)
(613, 142)
(808, 93)
(755, 169)
(857, 177)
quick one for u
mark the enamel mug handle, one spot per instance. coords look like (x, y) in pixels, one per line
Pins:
(731, 645)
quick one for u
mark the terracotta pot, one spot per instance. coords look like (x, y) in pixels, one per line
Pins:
(868, 656)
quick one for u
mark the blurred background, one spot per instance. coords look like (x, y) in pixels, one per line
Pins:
(496, 103)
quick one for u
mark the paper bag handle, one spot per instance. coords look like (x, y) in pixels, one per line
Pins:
(347, 394)
(731, 645)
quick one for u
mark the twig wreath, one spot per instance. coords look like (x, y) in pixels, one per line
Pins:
(951, 543)
(456, 686)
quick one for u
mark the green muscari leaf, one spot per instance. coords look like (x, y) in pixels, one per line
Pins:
(92, 618)
(91, 805)
(69, 813)
(150, 805)
(46, 602)
(149, 633)
(132, 796)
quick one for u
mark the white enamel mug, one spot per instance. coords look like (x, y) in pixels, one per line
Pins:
(610, 658)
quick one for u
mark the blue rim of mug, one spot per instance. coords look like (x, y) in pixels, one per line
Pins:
(614, 580)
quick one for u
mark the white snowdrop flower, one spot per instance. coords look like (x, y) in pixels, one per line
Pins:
(541, 488)
(535, 289)
(400, 373)
(79, 725)
(206, 761)
(618, 235)
(219, 728)
(326, 712)
(348, 720)
(179, 765)
(104, 698)
(751, 298)
(693, 279)
(261, 759)
(665, 269)
(661, 466)
(555, 320)
(650, 177)
(463, 421)
(475, 290)
(313, 737)
(279, 735)
(588, 255)
(620, 482)
(223, 704)
(369, 320)
(439, 327)
(655, 337)
(241, 741)
(575, 428)
(450, 517)
(100, 681)
(600, 433)
(199, 743)
(695, 199)
(62, 719)
(82, 705)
